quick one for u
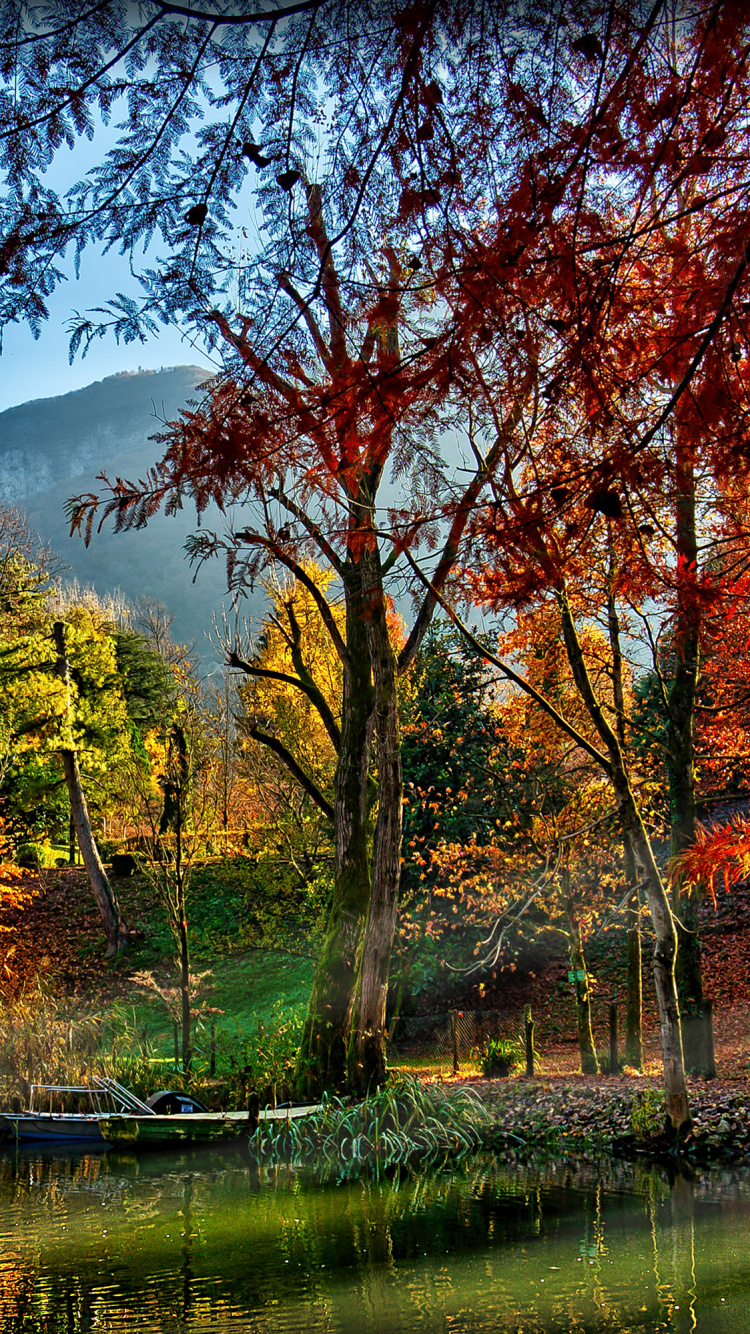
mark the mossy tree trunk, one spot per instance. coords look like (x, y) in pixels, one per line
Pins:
(367, 1058)
(322, 1058)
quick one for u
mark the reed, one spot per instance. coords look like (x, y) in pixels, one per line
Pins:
(44, 1042)
(402, 1122)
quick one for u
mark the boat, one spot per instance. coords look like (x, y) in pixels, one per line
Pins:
(118, 1119)
(196, 1127)
(157, 1131)
(105, 1097)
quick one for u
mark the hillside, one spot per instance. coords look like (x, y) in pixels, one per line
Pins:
(53, 448)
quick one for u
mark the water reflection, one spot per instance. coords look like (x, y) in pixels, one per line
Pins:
(204, 1242)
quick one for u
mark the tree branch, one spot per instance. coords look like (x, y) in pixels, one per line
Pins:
(510, 674)
(286, 757)
(307, 687)
(236, 20)
(485, 469)
(302, 577)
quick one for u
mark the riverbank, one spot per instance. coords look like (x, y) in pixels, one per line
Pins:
(623, 1116)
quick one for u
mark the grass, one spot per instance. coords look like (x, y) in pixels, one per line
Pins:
(251, 969)
(251, 982)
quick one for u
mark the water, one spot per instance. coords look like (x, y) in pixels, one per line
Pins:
(204, 1242)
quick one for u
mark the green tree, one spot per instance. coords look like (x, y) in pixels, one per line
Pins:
(65, 716)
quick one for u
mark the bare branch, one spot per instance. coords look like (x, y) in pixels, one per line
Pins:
(286, 757)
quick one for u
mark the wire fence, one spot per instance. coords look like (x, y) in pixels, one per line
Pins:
(455, 1036)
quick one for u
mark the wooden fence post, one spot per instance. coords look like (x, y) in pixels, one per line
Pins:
(454, 1037)
(528, 1025)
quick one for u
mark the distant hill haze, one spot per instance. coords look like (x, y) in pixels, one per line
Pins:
(53, 448)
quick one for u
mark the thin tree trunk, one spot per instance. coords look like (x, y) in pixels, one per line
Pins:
(680, 760)
(187, 1054)
(322, 1058)
(675, 1086)
(71, 840)
(97, 876)
(106, 899)
(367, 1046)
(634, 1020)
(589, 1062)
(634, 1010)
(182, 926)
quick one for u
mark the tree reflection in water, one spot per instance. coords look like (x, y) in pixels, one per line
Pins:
(205, 1240)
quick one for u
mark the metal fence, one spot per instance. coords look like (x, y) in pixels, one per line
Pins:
(440, 1039)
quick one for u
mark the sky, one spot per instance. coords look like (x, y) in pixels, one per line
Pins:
(32, 368)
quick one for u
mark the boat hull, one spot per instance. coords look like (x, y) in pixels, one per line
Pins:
(146, 1132)
(51, 1126)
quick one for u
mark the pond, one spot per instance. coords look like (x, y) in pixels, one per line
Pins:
(206, 1242)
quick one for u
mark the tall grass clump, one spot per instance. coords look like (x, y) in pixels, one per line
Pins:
(402, 1122)
(42, 1043)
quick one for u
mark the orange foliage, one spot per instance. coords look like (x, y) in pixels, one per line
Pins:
(721, 852)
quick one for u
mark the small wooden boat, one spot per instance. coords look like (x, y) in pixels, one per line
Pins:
(118, 1119)
(155, 1131)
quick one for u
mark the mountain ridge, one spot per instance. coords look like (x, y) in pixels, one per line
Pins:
(53, 448)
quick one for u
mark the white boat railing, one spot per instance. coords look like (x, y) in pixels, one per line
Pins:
(127, 1100)
(101, 1090)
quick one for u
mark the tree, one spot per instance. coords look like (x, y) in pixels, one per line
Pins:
(542, 859)
(63, 699)
(603, 745)
(341, 412)
(529, 259)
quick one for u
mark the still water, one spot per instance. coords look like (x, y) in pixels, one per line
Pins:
(204, 1242)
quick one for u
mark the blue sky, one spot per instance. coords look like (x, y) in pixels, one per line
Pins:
(39, 369)
(32, 369)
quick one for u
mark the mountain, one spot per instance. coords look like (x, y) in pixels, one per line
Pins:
(53, 448)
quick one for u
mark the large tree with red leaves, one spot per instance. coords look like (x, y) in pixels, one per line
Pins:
(471, 212)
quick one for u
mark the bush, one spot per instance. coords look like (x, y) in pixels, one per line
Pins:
(34, 856)
(499, 1056)
(648, 1114)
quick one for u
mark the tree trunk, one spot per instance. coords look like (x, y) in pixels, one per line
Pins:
(102, 890)
(675, 1087)
(634, 1020)
(182, 927)
(680, 759)
(665, 949)
(187, 1054)
(106, 899)
(71, 840)
(367, 1056)
(634, 1011)
(589, 1063)
(322, 1058)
